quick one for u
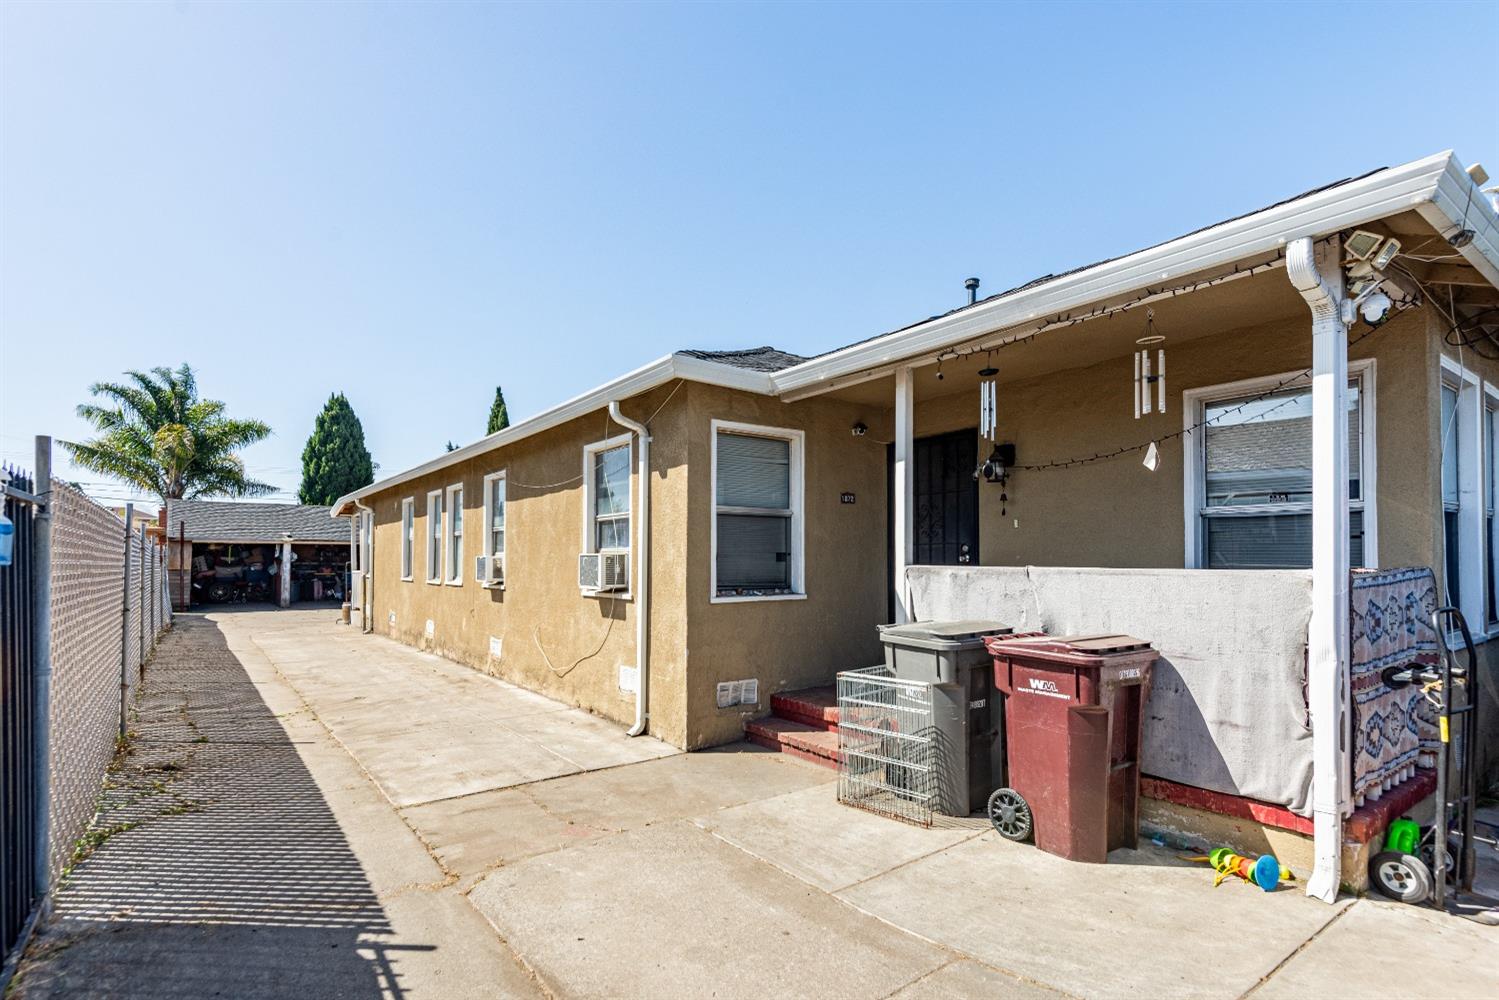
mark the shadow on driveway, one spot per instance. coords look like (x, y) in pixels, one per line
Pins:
(215, 866)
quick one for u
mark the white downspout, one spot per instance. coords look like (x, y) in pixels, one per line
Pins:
(1327, 665)
(366, 557)
(642, 569)
(905, 502)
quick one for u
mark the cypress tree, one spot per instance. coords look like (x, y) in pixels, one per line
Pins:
(335, 460)
(499, 418)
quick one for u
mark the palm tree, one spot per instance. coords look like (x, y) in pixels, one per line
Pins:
(156, 434)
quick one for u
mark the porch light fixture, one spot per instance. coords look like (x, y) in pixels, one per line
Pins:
(1144, 377)
(996, 469)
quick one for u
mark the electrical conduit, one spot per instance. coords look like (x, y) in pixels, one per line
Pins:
(642, 568)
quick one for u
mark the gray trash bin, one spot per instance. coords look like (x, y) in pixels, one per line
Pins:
(969, 721)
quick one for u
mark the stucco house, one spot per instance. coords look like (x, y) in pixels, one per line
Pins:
(715, 517)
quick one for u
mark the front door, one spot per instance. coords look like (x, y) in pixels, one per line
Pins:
(946, 514)
(946, 509)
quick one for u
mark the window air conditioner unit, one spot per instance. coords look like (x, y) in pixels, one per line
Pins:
(489, 570)
(604, 570)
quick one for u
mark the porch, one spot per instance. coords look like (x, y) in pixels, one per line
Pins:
(1170, 439)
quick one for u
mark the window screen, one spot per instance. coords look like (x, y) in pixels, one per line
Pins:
(434, 536)
(611, 498)
(1257, 480)
(408, 535)
(455, 535)
(754, 515)
(497, 517)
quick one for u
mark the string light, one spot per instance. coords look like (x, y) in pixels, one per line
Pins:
(1106, 456)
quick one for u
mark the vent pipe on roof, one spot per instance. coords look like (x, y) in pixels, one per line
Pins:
(972, 284)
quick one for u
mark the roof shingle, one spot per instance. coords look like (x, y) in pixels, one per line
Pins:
(758, 359)
(228, 521)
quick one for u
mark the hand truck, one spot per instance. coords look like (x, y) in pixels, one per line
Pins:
(1446, 850)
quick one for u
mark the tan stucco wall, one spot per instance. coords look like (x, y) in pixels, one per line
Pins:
(695, 643)
(1117, 513)
(796, 643)
(541, 607)
(1109, 514)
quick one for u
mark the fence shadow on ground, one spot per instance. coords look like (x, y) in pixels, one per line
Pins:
(219, 869)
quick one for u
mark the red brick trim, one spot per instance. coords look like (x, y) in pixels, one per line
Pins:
(1364, 825)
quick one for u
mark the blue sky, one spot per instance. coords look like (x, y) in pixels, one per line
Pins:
(412, 204)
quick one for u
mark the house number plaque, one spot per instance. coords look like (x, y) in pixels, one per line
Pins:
(846, 497)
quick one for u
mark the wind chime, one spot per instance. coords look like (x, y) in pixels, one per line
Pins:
(996, 468)
(1144, 376)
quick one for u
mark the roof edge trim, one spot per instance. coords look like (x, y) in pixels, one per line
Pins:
(642, 379)
(1396, 189)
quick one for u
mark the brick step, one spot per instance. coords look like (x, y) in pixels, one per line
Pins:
(816, 707)
(798, 739)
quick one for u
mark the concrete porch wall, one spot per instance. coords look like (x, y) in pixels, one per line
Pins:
(1227, 710)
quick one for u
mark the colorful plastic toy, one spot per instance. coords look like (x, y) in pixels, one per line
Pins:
(1264, 871)
(1404, 835)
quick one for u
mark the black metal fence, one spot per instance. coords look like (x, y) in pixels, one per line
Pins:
(19, 798)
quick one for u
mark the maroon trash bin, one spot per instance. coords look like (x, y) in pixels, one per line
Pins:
(1073, 708)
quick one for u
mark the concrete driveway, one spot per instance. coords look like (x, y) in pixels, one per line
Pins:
(506, 845)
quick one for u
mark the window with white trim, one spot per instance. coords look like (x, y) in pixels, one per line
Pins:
(1452, 495)
(454, 536)
(494, 522)
(1491, 486)
(1463, 496)
(434, 536)
(1252, 473)
(606, 472)
(408, 535)
(757, 505)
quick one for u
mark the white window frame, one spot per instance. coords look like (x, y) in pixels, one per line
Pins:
(489, 482)
(589, 545)
(1194, 402)
(797, 440)
(452, 545)
(1470, 507)
(408, 538)
(1491, 493)
(435, 537)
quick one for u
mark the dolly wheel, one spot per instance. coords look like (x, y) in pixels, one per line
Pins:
(1401, 876)
(1010, 814)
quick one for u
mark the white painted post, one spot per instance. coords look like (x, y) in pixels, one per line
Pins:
(905, 550)
(285, 600)
(1316, 271)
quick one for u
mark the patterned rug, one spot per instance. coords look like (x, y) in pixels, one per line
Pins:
(1395, 731)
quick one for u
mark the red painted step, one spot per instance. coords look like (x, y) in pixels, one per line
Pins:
(816, 707)
(819, 746)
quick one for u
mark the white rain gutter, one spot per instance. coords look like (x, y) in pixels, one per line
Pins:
(642, 379)
(1436, 186)
(1327, 638)
(642, 570)
(366, 556)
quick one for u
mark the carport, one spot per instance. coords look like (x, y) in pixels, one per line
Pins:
(226, 552)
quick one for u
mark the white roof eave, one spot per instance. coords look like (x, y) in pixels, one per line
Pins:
(1437, 187)
(1435, 180)
(658, 372)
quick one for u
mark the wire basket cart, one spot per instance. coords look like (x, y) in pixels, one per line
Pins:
(887, 752)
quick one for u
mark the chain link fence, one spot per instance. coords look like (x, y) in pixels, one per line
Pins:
(102, 617)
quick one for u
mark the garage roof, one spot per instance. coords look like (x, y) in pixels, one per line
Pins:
(248, 523)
